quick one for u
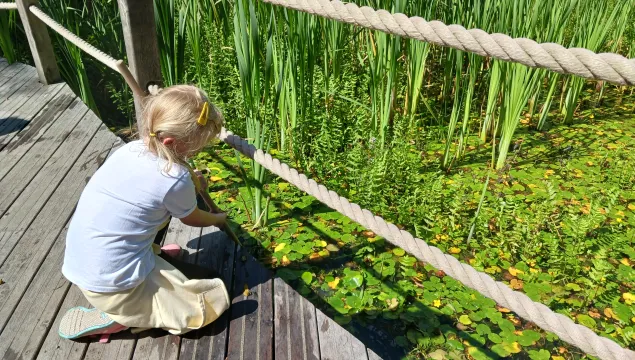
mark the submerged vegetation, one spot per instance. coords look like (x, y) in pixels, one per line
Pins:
(524, 174)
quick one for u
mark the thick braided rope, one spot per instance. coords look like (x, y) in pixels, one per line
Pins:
(570, 332)
(80, 43)
(8, 6)
(610, 67)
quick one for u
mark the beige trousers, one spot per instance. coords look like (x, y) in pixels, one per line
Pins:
(166, 299)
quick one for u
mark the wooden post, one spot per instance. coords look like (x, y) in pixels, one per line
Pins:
(139, 33)
(39, 42)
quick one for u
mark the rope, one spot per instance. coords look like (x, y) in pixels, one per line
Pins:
(8, 6)
(80, 43)
(610, 67)
(117, 65)
(570, 332)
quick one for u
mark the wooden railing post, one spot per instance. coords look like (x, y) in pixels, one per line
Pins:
(39, 42)
(142, 49)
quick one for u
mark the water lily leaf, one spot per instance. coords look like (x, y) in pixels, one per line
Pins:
(539, 355)
(477, 354)
(454, 344)
(573, 286)
(354, 302)
(307, 277)
(483, 329)
(465, 320)
(347, 238)
(528, 338)
(506, 349)
(338, 305)
(279, 247)
(495, 338)
(586, 320)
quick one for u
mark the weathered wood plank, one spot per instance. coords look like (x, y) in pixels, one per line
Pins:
(55, 347)
(120, 347)
(33, 162)
(295, 324)
(14, 100)
(14, 146)
(31, 195)
(216, 251)
(21, 106)
(337, 343)
(372, 355)
(39, 42)
(3, 64)
(15, 82)
(19, 98)
(29, 323)
(251, 332)
(142, 47)
(8, 73)
(28, 254)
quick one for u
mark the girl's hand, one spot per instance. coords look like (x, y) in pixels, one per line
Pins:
(220, 219)
(201, 179)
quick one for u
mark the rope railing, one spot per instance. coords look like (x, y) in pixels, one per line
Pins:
(585, 63)
(117, 65)
(8, 6)
(568, 331)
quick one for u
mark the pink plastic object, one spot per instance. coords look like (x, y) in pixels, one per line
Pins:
(171, 250)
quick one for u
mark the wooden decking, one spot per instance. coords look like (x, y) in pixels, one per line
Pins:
(50, 145)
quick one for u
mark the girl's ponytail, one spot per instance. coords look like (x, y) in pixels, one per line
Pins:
(183, 113)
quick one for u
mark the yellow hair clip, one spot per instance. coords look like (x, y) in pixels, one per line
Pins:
(153, 134)
(202, 119)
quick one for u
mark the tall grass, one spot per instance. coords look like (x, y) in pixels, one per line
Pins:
(249, 44)
(7, 20)
(171, 25)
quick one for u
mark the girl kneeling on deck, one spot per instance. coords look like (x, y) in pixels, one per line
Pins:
(112, 253)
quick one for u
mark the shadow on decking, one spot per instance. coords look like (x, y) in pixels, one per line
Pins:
(11, 124)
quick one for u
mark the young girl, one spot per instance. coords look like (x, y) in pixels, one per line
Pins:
(111, 253)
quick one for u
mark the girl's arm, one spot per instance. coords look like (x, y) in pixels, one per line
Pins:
(200, 218)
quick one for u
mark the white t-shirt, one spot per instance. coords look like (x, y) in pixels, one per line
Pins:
(109, 240)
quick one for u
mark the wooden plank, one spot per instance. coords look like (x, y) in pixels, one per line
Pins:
(54, 100)
(15, 82)
(8, 73)
(31, 195)
(55, 347)
(372, 355)
(25, 259)
(216, 251)
(28, 325)
(33, 162)
(120, 347)
(142, 47)
(15, 99)
(32, 91)
(295, 324)
(251, 331)
(39, 43)
(3, 63)
(337, 343)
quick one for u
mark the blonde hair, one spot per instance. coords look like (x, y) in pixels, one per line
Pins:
(174, 112)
